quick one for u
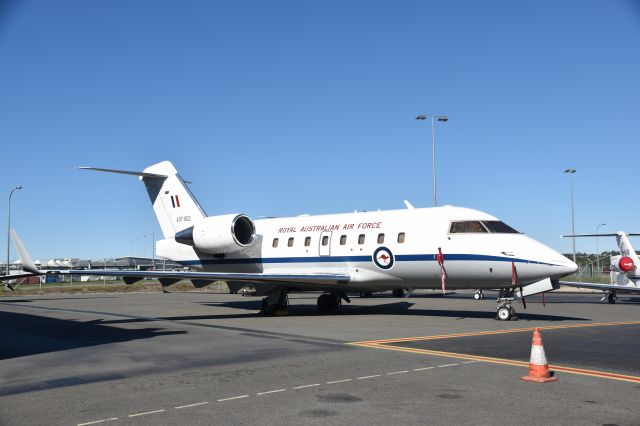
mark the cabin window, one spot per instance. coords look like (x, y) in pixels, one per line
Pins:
(307, 241)
(275, 243)
(380, 238)
(290, 242)
(497, 227)
(361, 239)
(343, 240)
(467, 227)
(325, 240)
(401, 237)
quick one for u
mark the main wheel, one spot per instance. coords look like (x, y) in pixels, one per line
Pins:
(398, 292)
(266, 308)
(504, 313)
(611, 298)
(324, 302)
(334, 302)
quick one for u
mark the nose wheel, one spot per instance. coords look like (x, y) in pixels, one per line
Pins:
(505, 311)
(478, 295)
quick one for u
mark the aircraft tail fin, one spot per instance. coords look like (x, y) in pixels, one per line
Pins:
(626, 249)
(27, 262)
(173, 203)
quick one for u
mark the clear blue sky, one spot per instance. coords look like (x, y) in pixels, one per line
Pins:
(287, 107)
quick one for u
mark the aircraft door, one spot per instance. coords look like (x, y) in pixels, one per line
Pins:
(325, 243)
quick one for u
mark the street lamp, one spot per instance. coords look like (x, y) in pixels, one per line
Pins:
(9, 224)
(573, 216)
(597, 250)
(443, 119)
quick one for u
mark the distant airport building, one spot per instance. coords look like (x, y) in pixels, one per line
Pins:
(127, 262)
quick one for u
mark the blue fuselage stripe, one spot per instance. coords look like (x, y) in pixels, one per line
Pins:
(353, 259)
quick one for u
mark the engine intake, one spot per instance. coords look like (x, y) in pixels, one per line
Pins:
(219, 234)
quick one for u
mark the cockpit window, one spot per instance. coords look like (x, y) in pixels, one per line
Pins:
(467, 227)
(497, 227)
(477, 227)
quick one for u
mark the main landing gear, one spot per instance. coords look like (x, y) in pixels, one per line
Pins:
(331, 301)
(398, 292)
(505, 310)
(276, 303)
(611, 297)
(478, 295)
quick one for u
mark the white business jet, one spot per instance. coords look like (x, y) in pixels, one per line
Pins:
(625, 276)
(413, 248)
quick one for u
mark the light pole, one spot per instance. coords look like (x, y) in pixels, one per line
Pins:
(597, 250)
(573, 216)
(9, 224)
(153, 248)
(443, 119)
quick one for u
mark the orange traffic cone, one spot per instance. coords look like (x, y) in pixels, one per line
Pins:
(538, 365)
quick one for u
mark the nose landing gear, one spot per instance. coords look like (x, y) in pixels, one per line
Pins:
(505, 311)
(478, 295)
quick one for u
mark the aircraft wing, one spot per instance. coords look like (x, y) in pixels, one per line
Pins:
(17, 276)
(603, 287)
(310, 280)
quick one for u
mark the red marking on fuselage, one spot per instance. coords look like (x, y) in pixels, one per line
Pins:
(384, 257)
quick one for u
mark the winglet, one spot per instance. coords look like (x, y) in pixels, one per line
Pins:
(27, 262)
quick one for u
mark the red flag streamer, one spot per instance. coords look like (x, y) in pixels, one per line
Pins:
(544, 302)
(443, 274)
(514, 279)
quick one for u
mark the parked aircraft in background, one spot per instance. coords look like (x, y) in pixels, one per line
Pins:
(29, 268)
(413, 248)
(625, 276)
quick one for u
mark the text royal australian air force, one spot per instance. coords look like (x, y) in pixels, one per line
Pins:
(330, 227)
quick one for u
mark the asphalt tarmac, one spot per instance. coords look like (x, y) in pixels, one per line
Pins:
(206, 358)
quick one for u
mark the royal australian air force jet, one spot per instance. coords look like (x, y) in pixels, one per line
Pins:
(625, 276)
(413, 248)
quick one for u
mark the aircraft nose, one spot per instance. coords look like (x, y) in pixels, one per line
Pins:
(569, 268)
(564, 266)
(558, 264)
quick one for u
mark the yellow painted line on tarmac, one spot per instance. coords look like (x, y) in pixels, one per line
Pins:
(492, 332)
(581, 371)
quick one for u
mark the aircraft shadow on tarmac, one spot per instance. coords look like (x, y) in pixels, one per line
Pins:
(25, 334)
(397, 308)
(40, 299)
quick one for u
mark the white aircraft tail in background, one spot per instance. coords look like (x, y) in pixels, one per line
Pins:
(624, 269)
(29, 268)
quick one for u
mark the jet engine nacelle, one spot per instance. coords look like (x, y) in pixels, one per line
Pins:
(626, 264)
(219, 234)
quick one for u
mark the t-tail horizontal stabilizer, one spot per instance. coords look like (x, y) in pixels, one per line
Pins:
(173, 203)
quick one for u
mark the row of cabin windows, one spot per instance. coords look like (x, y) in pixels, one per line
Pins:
(343, 240)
